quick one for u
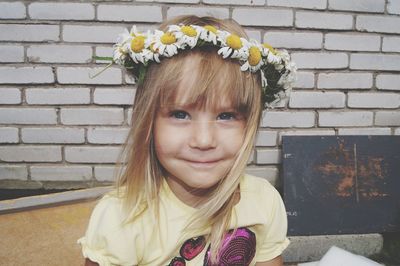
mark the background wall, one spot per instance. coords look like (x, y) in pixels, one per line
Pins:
(61, 129)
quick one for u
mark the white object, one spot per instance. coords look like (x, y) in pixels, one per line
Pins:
(340, 257)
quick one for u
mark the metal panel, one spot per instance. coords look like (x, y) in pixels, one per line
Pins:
(341, 184)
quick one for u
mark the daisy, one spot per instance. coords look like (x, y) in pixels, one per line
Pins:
(233, 46)
(254, 60)
(165, 43)
(120, 49)
(208, 33)
(187, 35)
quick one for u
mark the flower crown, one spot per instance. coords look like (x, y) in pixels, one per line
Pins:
(135, 50)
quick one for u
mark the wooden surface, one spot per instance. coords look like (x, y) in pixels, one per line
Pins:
(45, 236)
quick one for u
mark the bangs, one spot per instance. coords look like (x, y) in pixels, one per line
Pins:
(203, 79)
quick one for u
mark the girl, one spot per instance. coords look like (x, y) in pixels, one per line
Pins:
(183, 197)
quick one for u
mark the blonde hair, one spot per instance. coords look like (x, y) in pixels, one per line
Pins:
(140, 181)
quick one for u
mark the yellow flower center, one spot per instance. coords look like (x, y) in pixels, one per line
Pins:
(254, 56)
(137, 44)
(266, 45)
(234, 42)
(211, 28)
(168, 38)
(189, 31)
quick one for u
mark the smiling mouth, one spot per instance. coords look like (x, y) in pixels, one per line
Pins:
(203, 164)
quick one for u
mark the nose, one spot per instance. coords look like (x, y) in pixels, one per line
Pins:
(203, 136)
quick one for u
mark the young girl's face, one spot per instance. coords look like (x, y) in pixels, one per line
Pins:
(197, 146)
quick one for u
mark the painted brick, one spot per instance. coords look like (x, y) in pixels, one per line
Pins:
(30, 153)
(254, 34)
(16, 172)
(358, 5)
(91, 34)
(397, 131)
(107, 135)
(235, 2)
(221, 13)
(58, 96)
(391, 44)
(86, 154)
(320, 60)
(304, 80)
(311, 99)
(393, 7)
(386, 24)
(9, 135)
(26, 116)
(53, 135)
(373, 100)
(61, 173)
(81, 75)
(388, 82)
(61, 11)
(345, 81)
(269, 173)
(312, 132)
(272, 156)
(26, 75)
(10, 96)
(301, 40)
(59, 54)
(352, 42)
(364, 131)
(104, 173)
(92, 116)
(173, 1)
(266, 138)
(318, 20)
(387, 118)
(288, 119)
(9, 10)
(375, 61)
(345, 119)
(263, 17)
(129, 13)
(29, 33)
(311, 4)
(114, 96)
(11, 53)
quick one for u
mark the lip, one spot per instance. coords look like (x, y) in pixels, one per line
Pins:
(202, 164)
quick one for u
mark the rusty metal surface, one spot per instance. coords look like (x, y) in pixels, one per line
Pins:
(341, 184)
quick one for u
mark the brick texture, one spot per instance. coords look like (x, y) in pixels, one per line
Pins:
(60, 127)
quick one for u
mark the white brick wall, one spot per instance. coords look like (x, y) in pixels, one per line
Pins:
(129, 13)
(345, 81)
(386, 24)
(263, 17)
(358, 5)
(320, 60)
(318, 20)
(301, 40)
(61, 11)
(388, 82)
(29, 33)
(59, 124)
(10, 10)
(59, 53)
(352, 42)
(11, 53)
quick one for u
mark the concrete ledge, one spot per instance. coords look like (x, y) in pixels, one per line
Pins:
(312, 248)
(33, 202)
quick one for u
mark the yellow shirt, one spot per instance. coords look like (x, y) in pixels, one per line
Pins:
(261, 234)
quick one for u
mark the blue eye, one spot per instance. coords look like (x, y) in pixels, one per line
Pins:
(178, 114)
(227, 116)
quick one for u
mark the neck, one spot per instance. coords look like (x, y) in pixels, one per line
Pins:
(193, 197)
